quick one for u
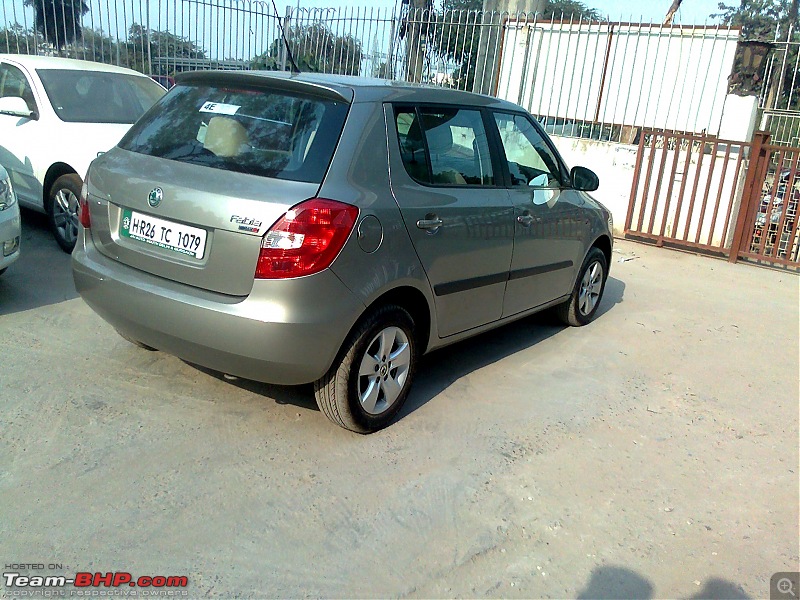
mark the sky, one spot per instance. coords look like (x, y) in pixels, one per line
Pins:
(692, 12)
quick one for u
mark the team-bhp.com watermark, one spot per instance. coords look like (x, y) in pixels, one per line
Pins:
(32, 584)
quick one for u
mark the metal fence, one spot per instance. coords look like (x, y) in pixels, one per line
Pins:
(733, 199)
(609, 81)
(780, 95)
(684, 191)
(589, 79)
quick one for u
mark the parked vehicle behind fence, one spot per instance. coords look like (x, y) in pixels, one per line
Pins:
(326, 229)
(56, 116)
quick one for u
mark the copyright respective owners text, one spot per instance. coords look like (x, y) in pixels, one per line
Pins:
(56, 580)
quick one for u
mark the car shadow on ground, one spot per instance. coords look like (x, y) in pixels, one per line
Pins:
(620, 582)
(43, 273)
(440, 369)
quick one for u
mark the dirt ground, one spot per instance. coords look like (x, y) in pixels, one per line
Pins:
(651, 454)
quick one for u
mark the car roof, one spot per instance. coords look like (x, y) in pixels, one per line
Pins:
(33, 61)
(349, 88)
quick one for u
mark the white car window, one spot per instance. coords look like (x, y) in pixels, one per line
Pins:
(13, 83)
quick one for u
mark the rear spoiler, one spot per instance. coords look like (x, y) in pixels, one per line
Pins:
(268, 80)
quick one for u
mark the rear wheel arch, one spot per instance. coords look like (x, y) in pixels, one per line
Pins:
(412, 300)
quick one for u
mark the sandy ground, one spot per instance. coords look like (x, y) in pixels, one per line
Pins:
(651, 454)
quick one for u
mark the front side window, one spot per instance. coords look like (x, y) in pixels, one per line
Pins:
(14, 84)
(530, 160)
(98, 96)
(254, 131)
(444, 146)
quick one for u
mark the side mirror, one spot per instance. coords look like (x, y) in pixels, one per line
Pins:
(16, 107)
(583, 179)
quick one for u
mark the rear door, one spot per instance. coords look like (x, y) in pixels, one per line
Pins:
(194, 186)
(459, 217)
(550, 224)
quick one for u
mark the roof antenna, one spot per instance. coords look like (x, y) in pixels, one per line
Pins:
(295, 69)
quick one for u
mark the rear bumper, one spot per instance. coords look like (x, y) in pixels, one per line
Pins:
(285, 332)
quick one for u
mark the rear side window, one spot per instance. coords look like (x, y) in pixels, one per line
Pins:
(266, 133)
(444, 146)
(97, 96)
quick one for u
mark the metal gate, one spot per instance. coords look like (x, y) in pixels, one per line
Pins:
(733, 199)
(684, 190)
(767, 227)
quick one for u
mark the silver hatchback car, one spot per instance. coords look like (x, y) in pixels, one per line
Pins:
(307, 228)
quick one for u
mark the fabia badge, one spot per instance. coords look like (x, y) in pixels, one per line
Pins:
(155, 197)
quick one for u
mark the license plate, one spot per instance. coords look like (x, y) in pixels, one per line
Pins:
(164, 234)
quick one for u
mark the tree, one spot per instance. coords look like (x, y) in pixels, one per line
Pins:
(676, 4)
(315, 49)
(760, 20)
(97, 46)
(59, 21)
(457, 33)
(570, 9)
(160, 47)
(15, 39)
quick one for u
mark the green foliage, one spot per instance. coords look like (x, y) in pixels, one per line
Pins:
(59, 21)
(455, 35)
(569, 9)
(163, 44)
(18, 40)
(315, 49)
(759, 18)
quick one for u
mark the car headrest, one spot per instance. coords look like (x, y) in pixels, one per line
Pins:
(225, 137)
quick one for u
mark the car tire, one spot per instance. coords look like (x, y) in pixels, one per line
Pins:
(370, 378)
(136, 342)
(587, 293)
(62, 210)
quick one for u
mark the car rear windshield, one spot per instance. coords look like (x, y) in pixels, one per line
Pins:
(255, 131)
(97, 96)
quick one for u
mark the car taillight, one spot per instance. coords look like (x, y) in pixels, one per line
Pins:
(83, 207)
(306, 239)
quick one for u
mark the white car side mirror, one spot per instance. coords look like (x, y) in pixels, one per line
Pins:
(16, 107)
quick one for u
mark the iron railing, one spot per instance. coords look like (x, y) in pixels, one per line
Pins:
(600, 80)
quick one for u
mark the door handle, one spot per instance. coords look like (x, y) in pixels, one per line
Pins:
(432, 223)
(526, 220)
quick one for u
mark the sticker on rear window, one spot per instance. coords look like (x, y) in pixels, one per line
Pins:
(219, 108)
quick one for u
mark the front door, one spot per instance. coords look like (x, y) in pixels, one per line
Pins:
(459, 218)
(17, 134)
(549, 226)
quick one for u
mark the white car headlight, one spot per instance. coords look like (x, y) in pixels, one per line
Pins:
(7, 196)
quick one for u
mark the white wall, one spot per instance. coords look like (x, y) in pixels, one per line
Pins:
(627, 74)
(614, 164)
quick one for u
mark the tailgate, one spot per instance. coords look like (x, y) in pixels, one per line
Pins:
(186, 222)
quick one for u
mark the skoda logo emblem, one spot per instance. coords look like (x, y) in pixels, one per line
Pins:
(155, 197)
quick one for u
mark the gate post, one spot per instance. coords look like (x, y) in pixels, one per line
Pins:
(637, 173)
(751, 194)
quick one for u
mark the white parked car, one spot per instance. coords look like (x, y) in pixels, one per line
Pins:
(9, 222)
(56, 116)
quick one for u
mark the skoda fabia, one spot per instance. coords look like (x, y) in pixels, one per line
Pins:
(307, 228)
